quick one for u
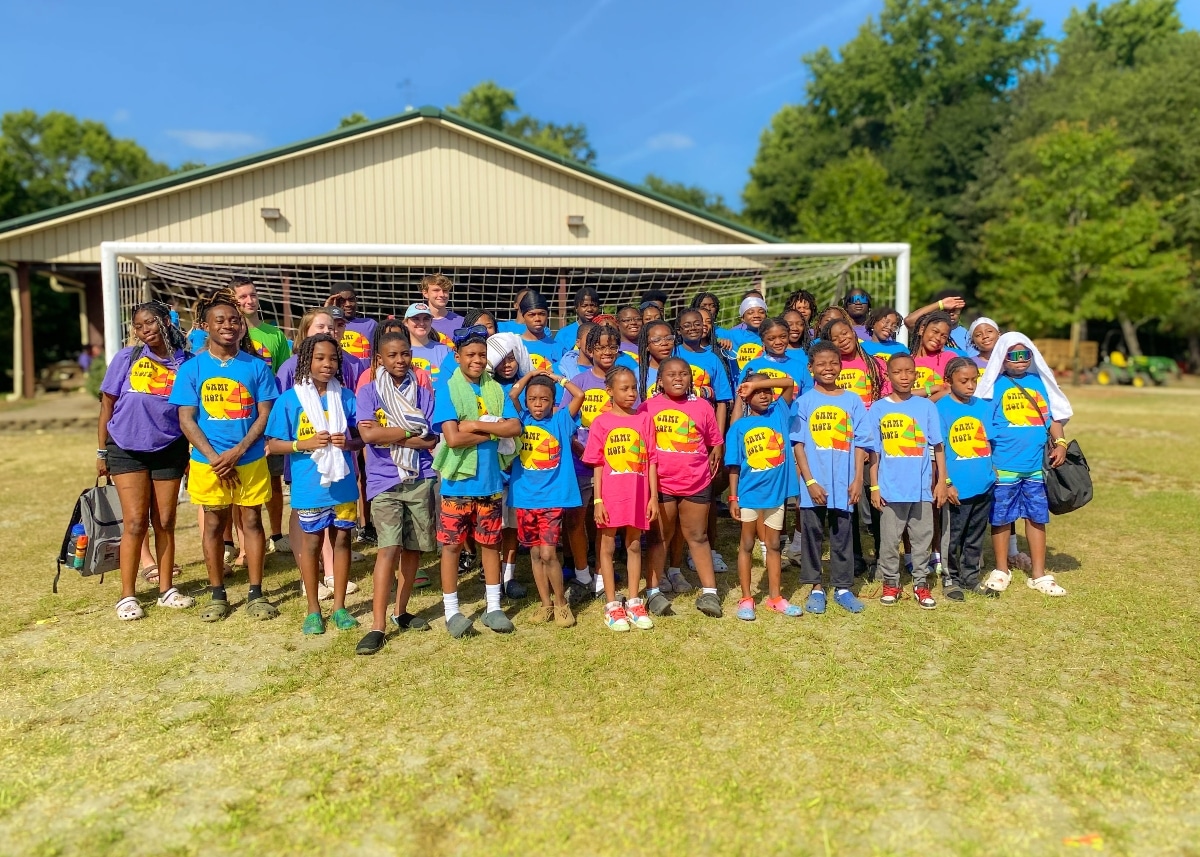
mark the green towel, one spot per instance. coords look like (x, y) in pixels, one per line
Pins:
(463, 463)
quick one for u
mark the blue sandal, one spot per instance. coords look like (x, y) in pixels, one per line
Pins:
(815, 603)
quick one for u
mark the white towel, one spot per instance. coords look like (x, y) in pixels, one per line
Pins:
(500, 345)
(330, 461)
(1060, 408)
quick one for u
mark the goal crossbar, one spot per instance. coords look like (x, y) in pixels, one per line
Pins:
(112, 251)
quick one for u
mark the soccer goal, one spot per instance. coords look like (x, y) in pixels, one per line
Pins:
(292, 278)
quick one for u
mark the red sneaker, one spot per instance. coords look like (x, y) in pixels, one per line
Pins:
(924, 598)
(891, 594)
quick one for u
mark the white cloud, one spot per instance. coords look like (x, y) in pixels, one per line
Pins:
(669, 141)
(122, 115)
(213, 140)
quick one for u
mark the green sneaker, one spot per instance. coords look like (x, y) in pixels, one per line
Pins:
(343, 620)
(314, 623)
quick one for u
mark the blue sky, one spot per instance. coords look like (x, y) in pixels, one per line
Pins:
(681, 90)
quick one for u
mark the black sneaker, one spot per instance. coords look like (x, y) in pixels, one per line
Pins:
(409, 622)
(659, 604)
(952, 591)
(371, 643)
(368, 535)
(466, 562)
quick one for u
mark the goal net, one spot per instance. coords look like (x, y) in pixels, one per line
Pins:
(291, 279)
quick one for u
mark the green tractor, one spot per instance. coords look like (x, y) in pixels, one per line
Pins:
(1116, 368)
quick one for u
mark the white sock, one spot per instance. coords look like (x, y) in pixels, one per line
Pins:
(329, 581)
(583, 575)
(707, 591)
(1013, 550)
(450, 604)
(598, 582)
(840, 590)
(673, 572)
(492, 591)
(510, 571)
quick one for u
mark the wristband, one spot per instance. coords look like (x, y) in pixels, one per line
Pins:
(732, 498)
(809, 482)
(941, 305)
(102, 453)
(295, 446)
(1062, 441)
(948, 482)
(562, 382)
(597, 501)
(872, 487)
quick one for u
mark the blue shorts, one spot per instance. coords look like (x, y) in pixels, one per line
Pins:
(1025, 498)
(343, 516)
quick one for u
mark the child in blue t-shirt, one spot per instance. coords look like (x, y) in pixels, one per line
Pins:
(832, 441)
(907, 459)
(964, 519)
(776, 361)
(473, 416)
(761, 478)
(1023, 421)
(314, 425)
(543, 484)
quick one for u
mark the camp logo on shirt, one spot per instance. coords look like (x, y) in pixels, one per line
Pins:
(482, 405)
(747, 351)
(928, 378)
(764, 448)
(902, 437)
(226, 399)
(856, 381)
(702, 383)
(596, 401)
(968, 439)
(539, 449)
(625, 452)
(304, 428)
(260, 348)
(776, 373)
(355, 344)
(540, 363)
(381, 418)
(149, 376)
(830, 428)
(675, 431)
(1019, 411)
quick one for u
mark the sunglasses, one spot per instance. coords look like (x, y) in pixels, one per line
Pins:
(475, 331)
(859, 299)
(1019, 355)
(659, 340)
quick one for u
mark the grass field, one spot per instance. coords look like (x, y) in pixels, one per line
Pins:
(991, 727)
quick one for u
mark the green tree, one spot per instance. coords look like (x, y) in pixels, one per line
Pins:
(854, 199)
(1072, 241)
(493, 106)
(693, 195)
(924, 88)
(353, 119)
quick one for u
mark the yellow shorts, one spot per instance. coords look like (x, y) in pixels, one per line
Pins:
(253, 489)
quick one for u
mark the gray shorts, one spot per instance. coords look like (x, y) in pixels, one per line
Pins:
(403, 516)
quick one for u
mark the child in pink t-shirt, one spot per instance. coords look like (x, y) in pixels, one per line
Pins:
(626, 493)
(861, 374)
(690, 450)
(927, 342)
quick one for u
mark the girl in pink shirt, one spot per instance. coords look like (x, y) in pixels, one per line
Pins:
(861, 373)
(690, 450)
(927, 342)
(626, 486)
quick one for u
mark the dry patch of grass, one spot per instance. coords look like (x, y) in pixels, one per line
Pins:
(991, 727)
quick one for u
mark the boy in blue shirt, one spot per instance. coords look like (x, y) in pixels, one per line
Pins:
(965, 426)
(472, 414)
(832, 440)
(907, 458)
(224, 397)
(544, 484)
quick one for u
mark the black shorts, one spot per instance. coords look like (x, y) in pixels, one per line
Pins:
(275, 465)
(163, 465)
(704, 496)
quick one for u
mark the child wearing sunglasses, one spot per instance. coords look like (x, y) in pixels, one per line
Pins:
(1028, 410)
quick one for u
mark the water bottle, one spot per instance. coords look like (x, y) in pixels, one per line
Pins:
(81, 544)
(76, 532)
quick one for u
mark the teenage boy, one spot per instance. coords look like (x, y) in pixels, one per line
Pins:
(359, 331)
(435, 289)
(224, 398)
(271, 345)
(857, 303)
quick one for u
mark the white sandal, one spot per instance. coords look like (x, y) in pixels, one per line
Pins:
(1046, 585)
(129, 609)
(998, 580)
(174, 598)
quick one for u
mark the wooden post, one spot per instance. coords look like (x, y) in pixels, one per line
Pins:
(25, 300)
(1076, 361)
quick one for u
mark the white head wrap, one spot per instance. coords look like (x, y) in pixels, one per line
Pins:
(500, 345)
(983, 319)
(752, 302)
(1060, 408)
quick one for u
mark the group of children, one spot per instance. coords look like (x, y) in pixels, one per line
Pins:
(474, 437)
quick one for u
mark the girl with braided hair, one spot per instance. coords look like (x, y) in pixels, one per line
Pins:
(882, 324)
(143, 451)
(314, 425)
(714, 335)
(928, 343)
(656, 342)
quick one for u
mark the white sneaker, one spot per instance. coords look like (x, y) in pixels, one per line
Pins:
(269, 546)
(351, 587)
(719, 565)
(229, 555)
(282, 545)
(324, 593)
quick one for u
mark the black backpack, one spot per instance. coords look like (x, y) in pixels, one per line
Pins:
(98, 509)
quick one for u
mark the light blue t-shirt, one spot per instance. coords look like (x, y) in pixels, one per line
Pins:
(968, 450)
(747, 345)
(541, 477)
(832, 428)
(1019, 428)
(883, 349)
(543, 354)
(513, 326)
(905, 434)
(431, 357)
(289, 422)
(567, 336)
(789, 366)
(961, 341)
(197, 340)
(709, 376)
(225, 396)
(488, 478)
(758, 446)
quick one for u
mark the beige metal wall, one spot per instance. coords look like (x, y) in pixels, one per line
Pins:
(424, 182)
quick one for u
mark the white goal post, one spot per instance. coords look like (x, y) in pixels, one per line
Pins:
(387, 274)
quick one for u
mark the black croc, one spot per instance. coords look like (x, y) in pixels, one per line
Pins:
(371, 643)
